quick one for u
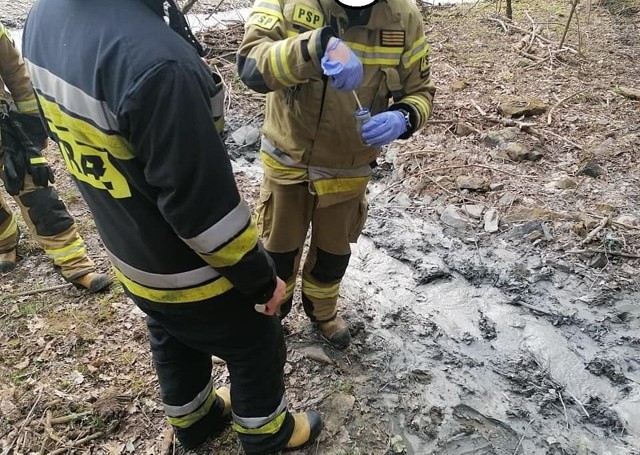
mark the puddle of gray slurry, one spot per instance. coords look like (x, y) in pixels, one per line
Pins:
(457, 342)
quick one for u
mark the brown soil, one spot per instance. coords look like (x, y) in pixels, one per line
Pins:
(84, 360)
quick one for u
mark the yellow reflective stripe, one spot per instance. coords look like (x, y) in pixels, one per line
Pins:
(284, 64)
(195, 294)
(420, 103)
(269, 428)
(339, 185)
(376, 49)
(417, 51)
(377, 55)
(27, 106)
(187, 420)
(75, 250)
(292, 33)
(289, 290)
(38, 160)
(273, 164)
(10, 230)
(234, 251)
(320, 292)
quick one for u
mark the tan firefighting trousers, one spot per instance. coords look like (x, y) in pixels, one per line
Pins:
(50, 224)
(284, 215)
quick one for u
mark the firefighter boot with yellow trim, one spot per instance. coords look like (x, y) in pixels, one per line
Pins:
(336, 331)
(213, 423)
(92, 281)
(306, 430)
(8, 261)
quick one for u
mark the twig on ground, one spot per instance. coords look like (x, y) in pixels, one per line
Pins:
(25, 422)
(567, 98)
(603, 251)
(533, 308)
(566, 27)
(579, 403)
(78, 443)
(595, 231)
(69, 418)
(515, 452)
(566, 417)
(36, 291)
(483, 113)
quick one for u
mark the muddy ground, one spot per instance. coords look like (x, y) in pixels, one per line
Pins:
(469, 338)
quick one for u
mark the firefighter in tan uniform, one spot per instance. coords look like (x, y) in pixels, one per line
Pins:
(43, 211)
(309, 55)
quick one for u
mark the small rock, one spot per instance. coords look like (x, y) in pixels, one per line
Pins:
(9, 410)
(473, 210)
(491, 220)
(500, 138)
(521, 107)
(496, 186)
(531, 226)
(628, 92)
(316, 353)
(507, 199)
(591, 169)
(459, 85)
(453, 217)
(402, 199)
(599, 261)
(397, 445)
(533, 236)
(518, 152)
(469, 182)
(566, 183)
(246, 135)
(628, 219)
(342, 403)
(464, 129)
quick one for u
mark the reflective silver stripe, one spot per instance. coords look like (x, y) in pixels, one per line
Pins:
(178, 411)
(164, 281)
(274, 152)
(72, 98)
(257, 422)
(223, 231)
(319, 173)
(268, 5)
(419, 49)
(217, 104)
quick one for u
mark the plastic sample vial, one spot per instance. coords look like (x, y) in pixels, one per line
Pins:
(362, 116)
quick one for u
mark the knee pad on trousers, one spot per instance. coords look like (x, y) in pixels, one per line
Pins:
(47, 212)
(329, 267)
(284, 263)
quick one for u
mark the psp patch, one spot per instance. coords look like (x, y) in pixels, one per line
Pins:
(263, 20)
(307, 16)
(392, 38)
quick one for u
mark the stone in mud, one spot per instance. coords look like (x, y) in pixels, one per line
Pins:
(491, 220)
(521, 107)
(501, 138)
(565, 183)
(518, 152)
(397, 445)
(628, 220)
(246, 135)
(316, 353)
(453, 217)
(599, 261)
(591, 169)
(507, 199)
(498, 186)
(464, 129)
(470, 182)
(458, 85)
(428, 272)
(473, 210)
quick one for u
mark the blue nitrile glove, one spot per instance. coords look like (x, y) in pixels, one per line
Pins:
(343, 67)
(384, 128)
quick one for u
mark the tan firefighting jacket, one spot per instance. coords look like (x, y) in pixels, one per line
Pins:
(13, 74)
(310, 131)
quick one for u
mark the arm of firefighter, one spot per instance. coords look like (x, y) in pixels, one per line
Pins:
(14, 74)
(415, 75)
(269, 60)
(170, 125)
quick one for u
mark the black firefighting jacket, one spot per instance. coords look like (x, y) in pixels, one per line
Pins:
(129, 102)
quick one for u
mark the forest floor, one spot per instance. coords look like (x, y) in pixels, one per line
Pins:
(493, 295)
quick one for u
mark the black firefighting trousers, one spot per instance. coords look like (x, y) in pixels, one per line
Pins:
(183, 338)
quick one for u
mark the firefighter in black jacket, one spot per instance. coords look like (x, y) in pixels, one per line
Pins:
(129, 103)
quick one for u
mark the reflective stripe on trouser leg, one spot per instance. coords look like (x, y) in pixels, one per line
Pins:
(184, 375)
(321, 279)
(333, 229)
(8, 228)
(253, 346)
(54, 229)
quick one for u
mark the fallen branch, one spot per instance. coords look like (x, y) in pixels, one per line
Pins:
(69, 418)
(580, 404)
(515, 452)
(566, 27)
(603, 251)
(36, 291)
(77, 443)
(25, 422)
(559, 103)
(595, 231)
